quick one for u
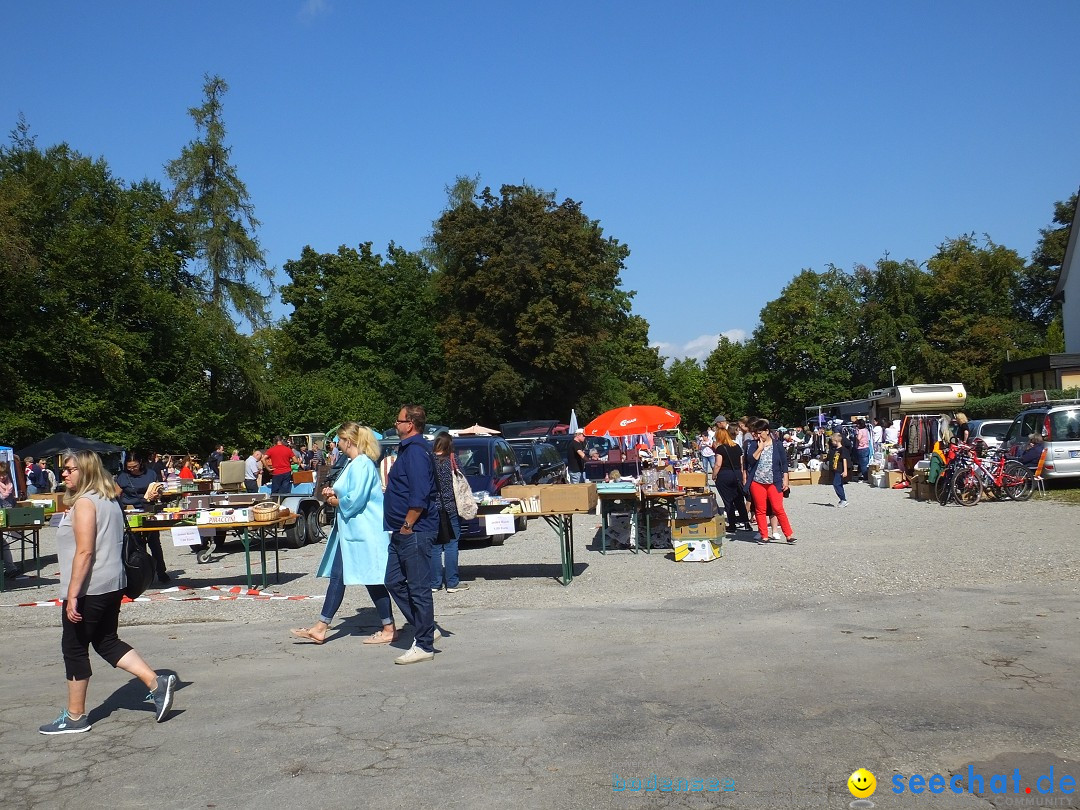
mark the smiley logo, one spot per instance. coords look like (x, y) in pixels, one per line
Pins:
(862, 784)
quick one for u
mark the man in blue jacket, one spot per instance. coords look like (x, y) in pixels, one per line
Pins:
(410, 515)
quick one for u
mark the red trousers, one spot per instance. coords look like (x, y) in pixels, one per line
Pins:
(763, 496)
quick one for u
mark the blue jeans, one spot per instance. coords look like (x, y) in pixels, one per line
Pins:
(408, 578)
(864, 463)
(281, 484)
(450, 550)
(838, 484)
(707, 463)
(335, 592)
(577, 478)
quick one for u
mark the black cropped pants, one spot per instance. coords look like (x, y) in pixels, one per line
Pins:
(100, 617)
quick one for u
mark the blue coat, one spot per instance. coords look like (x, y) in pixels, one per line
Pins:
(358, 527)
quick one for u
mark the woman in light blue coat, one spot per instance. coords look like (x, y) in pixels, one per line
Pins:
(357, 548)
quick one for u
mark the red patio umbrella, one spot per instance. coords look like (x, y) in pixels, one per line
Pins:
(631, 420)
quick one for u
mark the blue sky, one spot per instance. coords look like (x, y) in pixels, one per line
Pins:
(729, 145)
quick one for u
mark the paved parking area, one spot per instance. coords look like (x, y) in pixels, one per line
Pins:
(896, 636)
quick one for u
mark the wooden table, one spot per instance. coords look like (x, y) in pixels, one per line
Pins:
(261, 530)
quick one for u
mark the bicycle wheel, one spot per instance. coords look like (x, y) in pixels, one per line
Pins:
(967, 488)
(1017, 481)
(943, 487)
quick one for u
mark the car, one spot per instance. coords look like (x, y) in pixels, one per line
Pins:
(541, 463)
(1059, 423)
(489, 463)
(991, 431)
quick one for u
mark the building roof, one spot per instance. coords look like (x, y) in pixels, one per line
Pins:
(1044, 362)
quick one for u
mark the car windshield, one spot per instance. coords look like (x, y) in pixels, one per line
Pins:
(526, 456)
(474, 460)
(995, 431)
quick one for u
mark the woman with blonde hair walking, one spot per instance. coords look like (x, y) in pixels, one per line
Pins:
(89, 541)
(358, 546)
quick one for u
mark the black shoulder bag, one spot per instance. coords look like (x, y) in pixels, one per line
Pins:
(138, 565)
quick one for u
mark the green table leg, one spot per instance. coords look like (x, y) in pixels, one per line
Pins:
(245, 538)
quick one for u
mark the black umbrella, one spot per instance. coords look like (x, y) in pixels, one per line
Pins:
(59, 442)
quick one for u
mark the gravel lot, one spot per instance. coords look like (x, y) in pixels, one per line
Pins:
(885, 542)
(896, 635)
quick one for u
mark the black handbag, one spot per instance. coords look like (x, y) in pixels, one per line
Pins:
(138, 564)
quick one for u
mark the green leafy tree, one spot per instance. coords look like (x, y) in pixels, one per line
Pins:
(974, 314)
(532, 305)
(219, 214)
(360, 339)
(725, 388)
(801, 351)
(686, 392)
(1041, 276)
(93, 273)
(890, 322)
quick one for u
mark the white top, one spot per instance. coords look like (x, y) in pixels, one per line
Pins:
(251, 468)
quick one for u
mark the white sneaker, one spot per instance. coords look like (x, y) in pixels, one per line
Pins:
(777, 535)
(842, 504)
(414, 656)
(438, 634)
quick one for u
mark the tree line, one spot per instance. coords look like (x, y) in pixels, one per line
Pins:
(138, 313)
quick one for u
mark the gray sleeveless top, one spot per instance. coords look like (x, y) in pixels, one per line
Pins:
(106, 568)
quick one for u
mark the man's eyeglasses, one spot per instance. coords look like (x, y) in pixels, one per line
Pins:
(402, 421)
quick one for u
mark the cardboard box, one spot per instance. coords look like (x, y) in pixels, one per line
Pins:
(682, 530)
(557, 499)
(893, 477)
(695, 507)
(798, 478)
(824, 476)
(698, 550)
(303, 477)
(693, 480)
(24, 516)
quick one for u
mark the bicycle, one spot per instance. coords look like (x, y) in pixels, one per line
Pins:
(1006, 479)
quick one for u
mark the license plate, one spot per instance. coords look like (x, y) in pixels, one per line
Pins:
(1074, 454)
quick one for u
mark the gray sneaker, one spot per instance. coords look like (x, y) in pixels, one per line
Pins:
(461, 586)
(162, 696)
(438, 634)
(414, 655)
(66, 724)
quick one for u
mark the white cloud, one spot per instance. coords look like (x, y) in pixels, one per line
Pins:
(698, 348)
(313, 8)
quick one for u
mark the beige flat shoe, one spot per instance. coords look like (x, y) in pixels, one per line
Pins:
(381, 637)
(307, 635)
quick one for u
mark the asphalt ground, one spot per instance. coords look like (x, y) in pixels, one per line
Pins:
(898, 636)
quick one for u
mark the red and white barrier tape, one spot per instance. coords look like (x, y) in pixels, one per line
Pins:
(223, 593)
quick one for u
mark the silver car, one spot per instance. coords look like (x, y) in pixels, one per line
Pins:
(991, 431)
(1059, 424)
